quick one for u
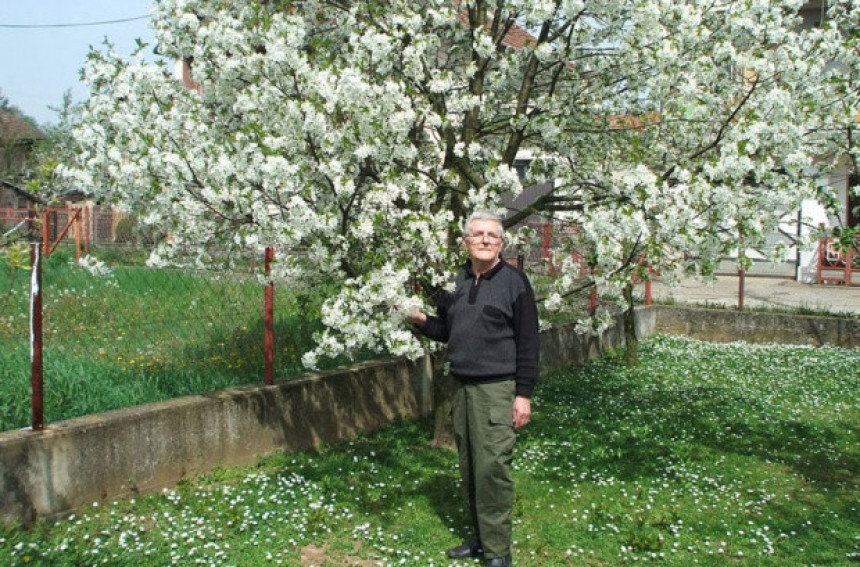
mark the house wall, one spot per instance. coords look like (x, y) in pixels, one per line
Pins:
(815, 217)
(9, 198)
(15, 207)
(800, 263)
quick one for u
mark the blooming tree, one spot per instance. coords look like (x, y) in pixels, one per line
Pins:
(838, 41)
(354, 137)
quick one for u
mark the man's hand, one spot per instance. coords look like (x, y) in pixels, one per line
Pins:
(417, 318)
(522, 411)
(414, 316)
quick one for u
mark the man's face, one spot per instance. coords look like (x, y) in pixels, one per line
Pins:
(484, 240)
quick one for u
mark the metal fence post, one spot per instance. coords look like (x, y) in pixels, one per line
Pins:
(78, 234)
(649, 271)
(46, 230)
(742, 273)
(88, 228)
(268, 322)
(36, 377)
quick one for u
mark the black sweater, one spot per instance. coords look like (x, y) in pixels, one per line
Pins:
(491, 326)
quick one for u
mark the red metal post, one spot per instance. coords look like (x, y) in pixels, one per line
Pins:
(268, 323)
(649, 273)
(46, 231)
(36, 377)
(78, 235)
(88, 227)
(742, 272)
(822, 257)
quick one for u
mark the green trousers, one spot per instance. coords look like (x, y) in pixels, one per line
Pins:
(484, 432)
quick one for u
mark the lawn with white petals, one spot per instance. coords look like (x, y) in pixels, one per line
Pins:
(706, 454)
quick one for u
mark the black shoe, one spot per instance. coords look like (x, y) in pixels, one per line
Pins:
(500, 561)
(464, 550)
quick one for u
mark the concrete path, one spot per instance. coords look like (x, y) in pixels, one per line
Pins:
(761, 291)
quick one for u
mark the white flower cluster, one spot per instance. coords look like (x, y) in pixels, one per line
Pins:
(95, 266)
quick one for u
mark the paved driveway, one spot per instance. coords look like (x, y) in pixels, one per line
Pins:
(761, 291)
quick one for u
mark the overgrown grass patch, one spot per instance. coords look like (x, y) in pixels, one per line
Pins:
(706, 454)
(139, 335)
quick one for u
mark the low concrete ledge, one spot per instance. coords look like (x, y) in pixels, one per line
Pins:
(79, 461)
(726, 325)
(76, 462)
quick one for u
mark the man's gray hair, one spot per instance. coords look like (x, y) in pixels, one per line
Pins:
(484, 215)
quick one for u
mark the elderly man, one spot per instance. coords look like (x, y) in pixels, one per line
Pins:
(490, 323)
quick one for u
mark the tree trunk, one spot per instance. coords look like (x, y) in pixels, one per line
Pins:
(631, 341)
(443, 431)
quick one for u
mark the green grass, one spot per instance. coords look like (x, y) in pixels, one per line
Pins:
(141, 335)
(706, 454)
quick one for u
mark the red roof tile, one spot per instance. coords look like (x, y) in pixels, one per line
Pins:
(516, 37)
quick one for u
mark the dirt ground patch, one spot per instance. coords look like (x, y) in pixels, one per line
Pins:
(321, 556)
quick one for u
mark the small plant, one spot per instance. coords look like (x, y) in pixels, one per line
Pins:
(15, 261)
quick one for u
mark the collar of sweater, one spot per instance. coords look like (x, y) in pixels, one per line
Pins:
(470, 273)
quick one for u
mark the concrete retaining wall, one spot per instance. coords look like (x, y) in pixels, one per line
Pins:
(76, 462)
(723, 325)
(79, 461)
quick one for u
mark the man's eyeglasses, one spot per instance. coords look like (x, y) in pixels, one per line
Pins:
(481, 236)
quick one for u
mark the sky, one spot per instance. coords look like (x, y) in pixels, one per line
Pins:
(39, 64)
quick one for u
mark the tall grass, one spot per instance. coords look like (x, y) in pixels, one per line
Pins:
(139, 335)
(705, 455)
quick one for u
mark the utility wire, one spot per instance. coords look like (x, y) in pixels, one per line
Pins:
(80, 25)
